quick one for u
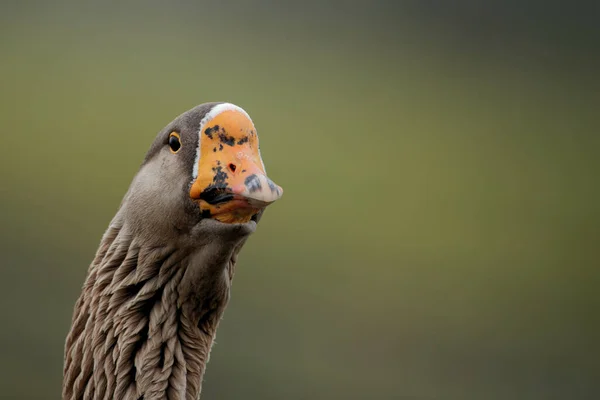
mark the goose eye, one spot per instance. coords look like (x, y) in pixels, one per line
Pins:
(174, 142)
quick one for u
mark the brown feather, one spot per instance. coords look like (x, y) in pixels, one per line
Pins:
(146, 319)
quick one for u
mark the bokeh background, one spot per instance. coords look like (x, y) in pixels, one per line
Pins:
(438, 234)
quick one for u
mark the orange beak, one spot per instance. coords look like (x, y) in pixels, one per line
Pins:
(231, 185)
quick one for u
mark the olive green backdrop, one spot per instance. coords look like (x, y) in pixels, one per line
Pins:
(438, 234)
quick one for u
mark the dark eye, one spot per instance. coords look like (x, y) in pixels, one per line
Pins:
(174, 142)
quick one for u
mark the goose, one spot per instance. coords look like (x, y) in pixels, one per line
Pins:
(145, 321)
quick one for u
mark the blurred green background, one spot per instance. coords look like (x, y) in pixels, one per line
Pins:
(438, 234)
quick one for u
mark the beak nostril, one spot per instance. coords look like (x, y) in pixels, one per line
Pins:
(232, 167)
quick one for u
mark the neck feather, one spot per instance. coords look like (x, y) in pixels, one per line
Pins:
(145, 321)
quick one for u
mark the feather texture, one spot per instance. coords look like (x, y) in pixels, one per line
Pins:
(145, 322)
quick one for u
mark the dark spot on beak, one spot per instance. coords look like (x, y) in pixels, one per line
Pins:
(209, 131)
(220, 177)
(216, 194)
(214, 149)
(228, 140)
(252, 183)
(220, 147)
(243, 140)
(272, 186)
